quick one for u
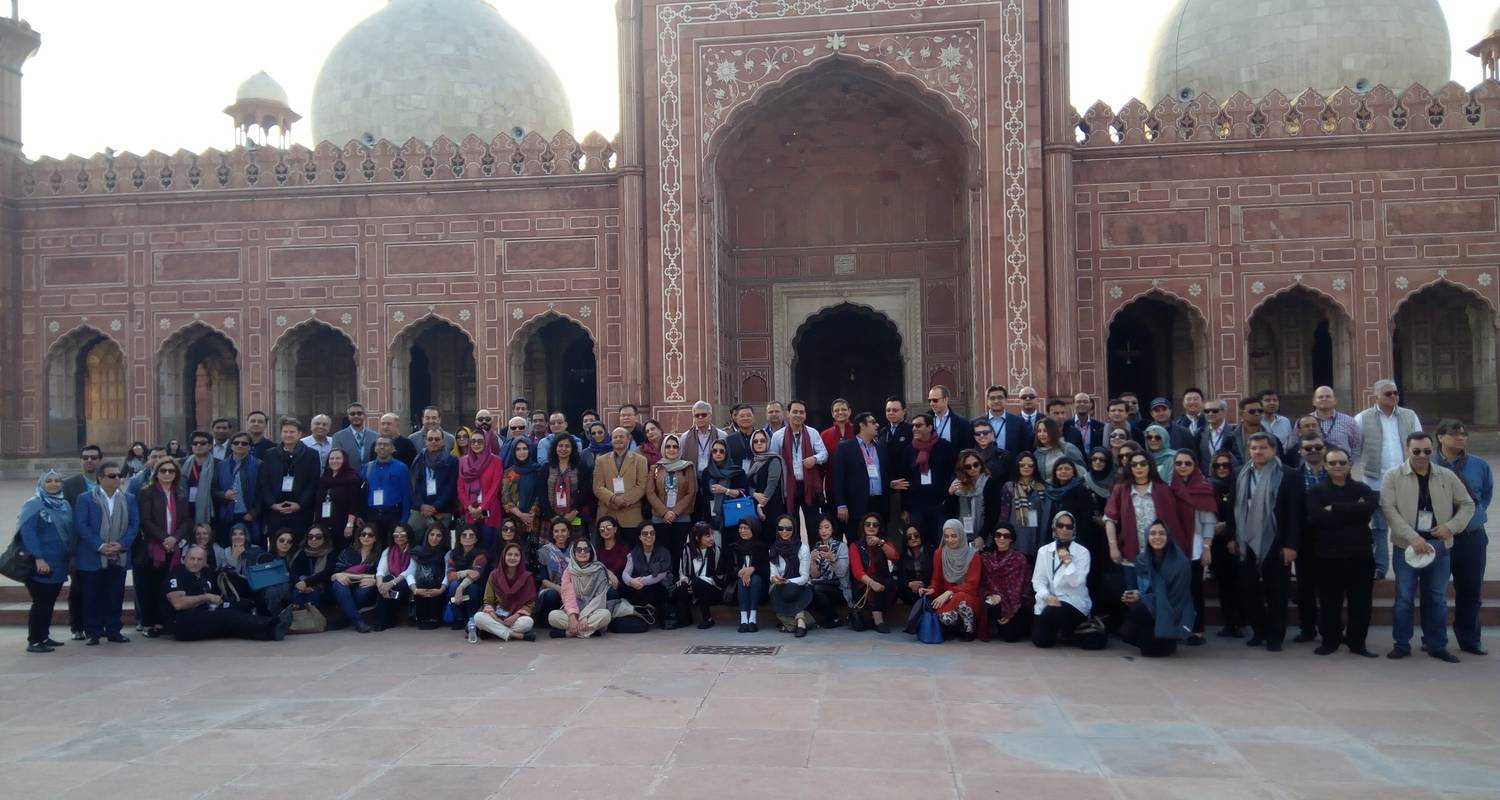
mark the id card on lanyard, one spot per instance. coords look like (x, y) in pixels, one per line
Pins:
(431, 483)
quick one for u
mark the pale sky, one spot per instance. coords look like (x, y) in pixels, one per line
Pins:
(156, 74)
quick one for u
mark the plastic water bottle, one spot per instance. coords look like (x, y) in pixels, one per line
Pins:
(473, 634)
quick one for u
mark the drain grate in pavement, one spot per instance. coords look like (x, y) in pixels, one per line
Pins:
(731, 650)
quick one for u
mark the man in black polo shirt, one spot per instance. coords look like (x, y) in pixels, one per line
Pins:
(196, 611)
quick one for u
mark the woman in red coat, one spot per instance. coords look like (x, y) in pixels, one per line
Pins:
(954, 593)
(166, 520)
(479, 474)
(1140, 498)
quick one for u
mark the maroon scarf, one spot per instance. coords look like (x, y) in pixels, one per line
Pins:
(396, 560)
(924, 452)
(513, 593)
(471, 467)
(811, 479)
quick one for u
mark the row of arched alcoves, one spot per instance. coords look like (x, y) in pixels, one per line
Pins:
(314, 369)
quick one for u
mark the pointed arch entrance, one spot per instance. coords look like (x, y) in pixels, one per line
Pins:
(314, 369)
(554, 365)
(197, 381)
(1300, 340)
(86, 393)
(432, 364)
(1158, 346)
(1443, 347)
(847, 351)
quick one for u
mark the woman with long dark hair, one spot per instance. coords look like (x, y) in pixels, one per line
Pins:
(333, 505)
(1159, 607)
(789, 560)
(479, 477)
(647, 576)
(1005, 585)
(700, 576)
(765, 477)
(1021, 503)
(394, 576)
(509, 598)
(1223, 566)
(978, 495)
(429, 574)
(353, 580)
(466, 564)
(1198, 513)
(871, 562)
(166, 519)
(914, 566)
(313, 567)
(829, 568)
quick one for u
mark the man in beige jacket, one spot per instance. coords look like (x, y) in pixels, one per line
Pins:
(1424, 504)
(620, 485)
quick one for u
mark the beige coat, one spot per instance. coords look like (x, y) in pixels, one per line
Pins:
(1451, 505)
(687, 493)
(635, 472)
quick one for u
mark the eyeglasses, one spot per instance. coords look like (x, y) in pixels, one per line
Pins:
(1389, 394)
(1063, 526)
(934, 399)
(485, 419)
(1312, 448)
(1223, 465)
(1099, 457)
(166, 472)
(201, 443)
(972, 465)
(1183, 464)
(367, 535)
(979, 433)
(518, 427)
(1005, 535)
(1153, 437)
(1336, 463)
(1254, 412)
(700, 415)
(284, 540)
(783, 527)
(114, 476)
(315, 536)
(1213, 410)
(1140, 463)
(1028, 397)
(239, 444)
(1421, 451)
(1117, 434)
(872, 524)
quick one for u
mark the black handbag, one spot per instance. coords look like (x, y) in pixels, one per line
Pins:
(16, 563)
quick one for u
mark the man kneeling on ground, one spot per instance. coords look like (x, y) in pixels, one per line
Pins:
(198, 612)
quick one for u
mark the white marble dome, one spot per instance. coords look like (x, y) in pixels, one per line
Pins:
(426, 68)
(1254, 46)
(261, 86)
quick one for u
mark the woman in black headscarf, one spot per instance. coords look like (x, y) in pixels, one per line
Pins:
(791, 593)
(1159, 608)
(429, 586)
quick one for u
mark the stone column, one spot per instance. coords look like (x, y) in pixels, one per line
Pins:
(18, 42)
(632, 252)
(1058, 143)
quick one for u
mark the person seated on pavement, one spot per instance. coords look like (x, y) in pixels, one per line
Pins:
(746, 569)
(1159, 607)
(790, 560)
(648, 573)
(353, 581)
(829, 570)
(700, 581)
(466, 566)
(1060, 582)
(871, 562)
(429, 578)
(509, 599)
(312, 567)
(1005, 585)
(395, 576)
(954, 587)
(198, 612)
(585, 595)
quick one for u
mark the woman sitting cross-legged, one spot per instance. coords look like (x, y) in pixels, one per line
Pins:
(789, 562)
(552, 562)
(353, 581)
(1159, 608)
(1004, 585)
(648, 573)
(429, 586)
(871, 566)
(829, 570)
(954, 591)
(700, 580)
(312, 567)
(466, 564)
(746, 569)
(509, 598)
(585, 595)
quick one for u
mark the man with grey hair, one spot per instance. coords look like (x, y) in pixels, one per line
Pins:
(390, 427)
(1383, 428)
(319, 440)
(697, 440)
(1216, 434)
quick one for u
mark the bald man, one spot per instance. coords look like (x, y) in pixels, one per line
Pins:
(390, 425)
(620, 484)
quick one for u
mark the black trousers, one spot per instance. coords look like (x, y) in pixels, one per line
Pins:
(547, 601)
(221, 623)
(1139, 630)
(673, 536)
(150, 579)
(1467, 565)
(1019, 626)
(700, 594)
(1264, 587)
(1053, 623)
(104, 591)
(827, 599)
(39, 620)
(653, 596)
(1340, 581)
(428, 609)
(1226, 574)
(1197, 589)
(75, 601)
(1309, 569)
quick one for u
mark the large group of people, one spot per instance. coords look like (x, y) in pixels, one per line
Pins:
(1032, 520)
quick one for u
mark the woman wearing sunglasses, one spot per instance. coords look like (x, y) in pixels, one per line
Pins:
(1141, 497)
(585, 595)
(1222, 565)
(1005, 585)
(1198, 513)
(166, 520)
(1060, 582)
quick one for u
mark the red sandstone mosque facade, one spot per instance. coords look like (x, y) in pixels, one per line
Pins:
(842, 197)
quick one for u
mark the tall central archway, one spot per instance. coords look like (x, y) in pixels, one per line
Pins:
(842, 177)
(314, 371)
(846, 351)
(554, 365)
(432, 364)
(86, 393)
(1300, 340)
(197, 381)
(1158, 346)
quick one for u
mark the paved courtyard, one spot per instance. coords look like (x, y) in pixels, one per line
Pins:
(411, 714)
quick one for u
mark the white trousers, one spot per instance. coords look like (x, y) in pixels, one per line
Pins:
(593, 622)
(494, 627)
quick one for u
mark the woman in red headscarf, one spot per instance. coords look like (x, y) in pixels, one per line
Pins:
(479, 477)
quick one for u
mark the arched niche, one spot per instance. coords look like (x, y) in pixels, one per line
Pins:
(197, 381)
(1158, 346)
(86, 393)
(1300, 340)
(432, 364)
(314, 370)
(846, 351)
(554, 364)
(1443, 347)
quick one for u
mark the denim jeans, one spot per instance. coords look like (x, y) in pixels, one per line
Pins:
(1380, 538)
(1433, 580)
(749, 596)
(350, 598)
(308, 598)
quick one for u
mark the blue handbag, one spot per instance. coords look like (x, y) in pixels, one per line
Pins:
(738, 508)
(929, 627)
(264, 576)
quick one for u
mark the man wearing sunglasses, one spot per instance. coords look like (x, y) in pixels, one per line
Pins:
(108, 522)
(1424, 505)
(1471, 544)
(1383, 428)
(1308, 561)
(1340, 508)
(237, 486)
(355, 438)
(1217, 434)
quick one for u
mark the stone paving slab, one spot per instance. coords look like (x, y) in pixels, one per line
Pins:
(408, 713)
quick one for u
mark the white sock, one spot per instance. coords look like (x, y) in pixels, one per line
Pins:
(744, 617)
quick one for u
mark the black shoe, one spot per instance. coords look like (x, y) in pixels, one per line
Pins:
(706, 624)
(670, 625)
(528, 637)
(151, 633)
(1443, 655)
(1471, 649)
(38, 647)
(429, 625)
(752, 628)
(1273, 647)
(78, 636)
(882, 628)
(559, 633)
(857, 623)
(1363, 651)
(1398, 652)
(283, 624)
(1254, 641)
(1230, 632)
(1326, 649)
(801, 632)
(361, 627)
(1304, 637)
(1196, 640)
(744, 627)
(835, 622)
(118, 638)
(55, 643)
(92, 642)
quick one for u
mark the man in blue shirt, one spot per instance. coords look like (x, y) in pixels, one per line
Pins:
(1469, 546)
(385, 498)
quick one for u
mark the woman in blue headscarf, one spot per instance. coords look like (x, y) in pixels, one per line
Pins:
(46, 530)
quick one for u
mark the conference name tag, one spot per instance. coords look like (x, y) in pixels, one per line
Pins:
(927, 478)
(192, 494)
(619, 485)
(327, 508)
(377, 497)
(431, 485)
(286, 484)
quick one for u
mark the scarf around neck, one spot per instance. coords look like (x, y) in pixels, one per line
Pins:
(658, 561)
(678, 464)
(1100, 482)
(590, 584)
(51, 508)
(1007, 574)
(924, 452)
(513, 592)
(971, 504)
(1164, 456)
(789, 550)
(397, 559)
(1255, 508)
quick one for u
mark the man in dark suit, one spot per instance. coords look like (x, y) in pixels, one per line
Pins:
(1010, 431)
(1057, 411)
(1193, 419)
(998, 462)
(1031, 411)
(107, 523)
(861, 473)
(1264, 529)
(84, 482)
(895, 435)
(1217, 433)
(288, 482)
(1087, 432)
(948, 424)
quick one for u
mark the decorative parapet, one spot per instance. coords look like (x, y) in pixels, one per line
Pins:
(326, 165)
(1309, 115)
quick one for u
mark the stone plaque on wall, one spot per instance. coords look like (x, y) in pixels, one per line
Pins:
(844, 263)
